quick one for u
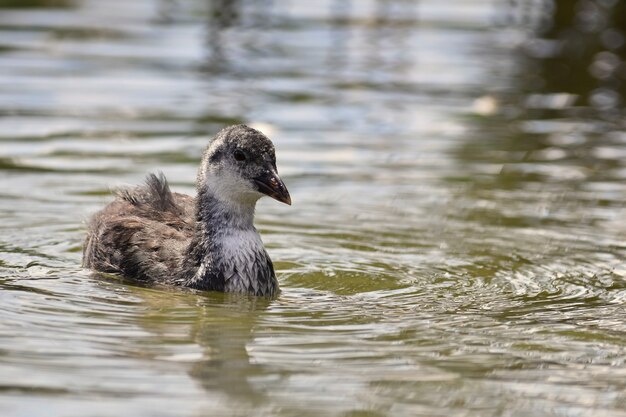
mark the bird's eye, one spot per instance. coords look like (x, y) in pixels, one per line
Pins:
(239, 155)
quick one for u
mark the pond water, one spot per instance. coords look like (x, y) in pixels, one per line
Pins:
(455, 247)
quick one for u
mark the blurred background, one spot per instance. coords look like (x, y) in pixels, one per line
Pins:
(456, 242)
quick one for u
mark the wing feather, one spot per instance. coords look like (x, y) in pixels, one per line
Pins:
(143, 233)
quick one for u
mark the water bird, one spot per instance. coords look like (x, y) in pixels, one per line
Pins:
(209, 242)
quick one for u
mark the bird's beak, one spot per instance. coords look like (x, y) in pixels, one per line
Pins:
(271, 185)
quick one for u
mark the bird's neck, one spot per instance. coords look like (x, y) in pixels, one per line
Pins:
(218, 216)
(226, 253)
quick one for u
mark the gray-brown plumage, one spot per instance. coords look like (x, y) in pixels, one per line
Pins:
(209, 242)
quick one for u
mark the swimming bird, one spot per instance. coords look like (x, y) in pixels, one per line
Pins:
(209, 242)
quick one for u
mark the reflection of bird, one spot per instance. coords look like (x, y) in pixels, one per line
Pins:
(153, 235)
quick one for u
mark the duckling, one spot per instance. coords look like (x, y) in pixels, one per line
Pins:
(209, 242)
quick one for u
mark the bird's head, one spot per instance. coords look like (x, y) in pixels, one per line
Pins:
(239, 167)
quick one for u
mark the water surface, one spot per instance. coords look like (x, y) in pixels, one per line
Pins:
(455, 246)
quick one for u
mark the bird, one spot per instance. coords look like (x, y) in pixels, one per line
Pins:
(150, 234)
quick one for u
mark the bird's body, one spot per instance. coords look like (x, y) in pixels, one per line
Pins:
(208, 242)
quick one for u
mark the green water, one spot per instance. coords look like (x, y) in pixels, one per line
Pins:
(455, 246)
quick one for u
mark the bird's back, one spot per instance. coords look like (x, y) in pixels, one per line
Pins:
(143, 233)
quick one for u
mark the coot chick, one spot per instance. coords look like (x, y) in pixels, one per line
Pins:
(209, 242)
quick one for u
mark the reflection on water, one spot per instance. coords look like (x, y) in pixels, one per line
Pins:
(455, 247)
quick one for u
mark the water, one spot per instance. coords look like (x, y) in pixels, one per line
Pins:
(455, 247)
